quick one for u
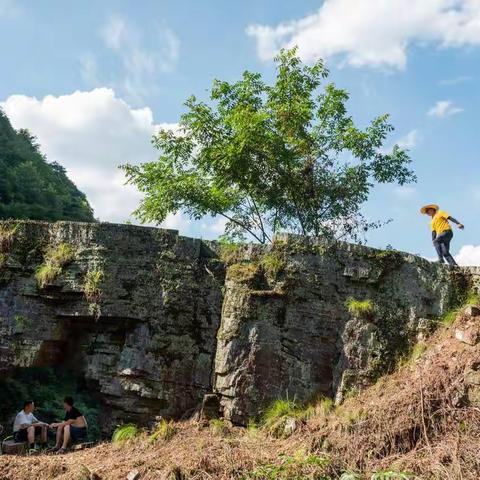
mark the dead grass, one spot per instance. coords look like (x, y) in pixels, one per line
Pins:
(410, 425)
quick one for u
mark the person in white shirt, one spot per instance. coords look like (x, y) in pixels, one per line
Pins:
(26, 426)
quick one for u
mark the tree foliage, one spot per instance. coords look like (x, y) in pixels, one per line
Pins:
(275, 157)
(32, 188)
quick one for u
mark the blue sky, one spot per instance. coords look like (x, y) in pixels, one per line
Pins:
(132, 64)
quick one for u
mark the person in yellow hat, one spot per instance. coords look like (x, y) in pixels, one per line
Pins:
(441, 231)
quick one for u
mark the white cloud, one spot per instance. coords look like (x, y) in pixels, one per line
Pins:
(455, 81)
(114, 32)
(409, 141)
(90, 134)
(443, 109)
(137, 65)
(373, 32)
(469, 255)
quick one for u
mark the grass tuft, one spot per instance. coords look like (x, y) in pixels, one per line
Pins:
(391, 475)
(325, 406)
(7, 235)
(230, 252)
(125, 433)
(278, 410)
(56, 258)
(296, 467)
(360, 308)
(218, 426)
(164, 430)
(46, 274)
(273, 263)
(91, 288)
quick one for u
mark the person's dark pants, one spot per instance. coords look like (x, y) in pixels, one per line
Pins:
(78, 434)
(22, 434)
(442, 246)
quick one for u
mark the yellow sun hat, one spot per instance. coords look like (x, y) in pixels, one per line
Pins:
(426, 207)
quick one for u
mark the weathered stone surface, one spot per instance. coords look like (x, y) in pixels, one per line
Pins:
(133, 475)
(163, 327)
(289, 334)
(150, 351)
(469, 334)
(472, 311)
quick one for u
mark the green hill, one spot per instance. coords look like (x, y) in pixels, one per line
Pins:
(32, 188)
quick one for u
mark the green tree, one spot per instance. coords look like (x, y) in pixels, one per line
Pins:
(30, 187)
(275, 157)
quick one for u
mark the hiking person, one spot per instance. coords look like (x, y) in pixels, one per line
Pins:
(441, 232)
(73, 428)
(26, 426)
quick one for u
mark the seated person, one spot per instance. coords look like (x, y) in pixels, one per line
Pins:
(26, 426)
(74, 426)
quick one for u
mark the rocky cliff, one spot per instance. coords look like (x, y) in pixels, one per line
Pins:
(153, 321)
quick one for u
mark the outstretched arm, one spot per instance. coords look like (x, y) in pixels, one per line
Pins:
(460, 225)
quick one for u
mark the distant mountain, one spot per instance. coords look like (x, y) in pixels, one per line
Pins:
(32, 188)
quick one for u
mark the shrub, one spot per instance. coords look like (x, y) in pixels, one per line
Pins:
(360, 308)
(164, 430)
(125, 433)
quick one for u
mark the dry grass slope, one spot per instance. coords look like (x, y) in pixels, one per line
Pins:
(413, 424)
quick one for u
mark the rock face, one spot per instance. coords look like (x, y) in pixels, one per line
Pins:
(154, 321)
(148, 343)
(286, 331)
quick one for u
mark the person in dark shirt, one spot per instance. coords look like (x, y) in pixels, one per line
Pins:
(73, 428)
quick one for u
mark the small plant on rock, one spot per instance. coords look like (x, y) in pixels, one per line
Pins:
(92, 291)
(46, 274)
(273, 262)
(360, 308)
(7, 235)
(229, 251)
(93, 279)
(56, 258)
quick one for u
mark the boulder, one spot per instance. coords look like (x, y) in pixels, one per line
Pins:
(472, 311)
(469, 334)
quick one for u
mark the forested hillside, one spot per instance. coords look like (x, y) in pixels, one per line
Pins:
(32, 188)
